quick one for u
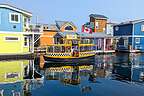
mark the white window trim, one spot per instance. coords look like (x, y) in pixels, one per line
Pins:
(137, 39)
(11, 37)
(12, 73)
(97, 25)
(27, 41)
(14, 21)
(142, 28)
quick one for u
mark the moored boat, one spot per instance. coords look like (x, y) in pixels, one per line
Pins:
(70, 48)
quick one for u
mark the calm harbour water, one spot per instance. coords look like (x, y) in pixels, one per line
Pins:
(107, 75)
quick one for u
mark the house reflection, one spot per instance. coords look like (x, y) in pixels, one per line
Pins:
(132, 69)
(11, 77)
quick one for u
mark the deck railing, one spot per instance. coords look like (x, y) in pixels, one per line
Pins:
(67, 48)
(59, 48)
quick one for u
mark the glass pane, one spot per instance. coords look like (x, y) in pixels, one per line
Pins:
(12, 18)
(25, 41)
(16, 18)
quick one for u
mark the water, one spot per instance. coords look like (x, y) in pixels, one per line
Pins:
(107, 75)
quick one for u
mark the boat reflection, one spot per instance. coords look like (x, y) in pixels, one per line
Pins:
(73, 73)
(67, 74)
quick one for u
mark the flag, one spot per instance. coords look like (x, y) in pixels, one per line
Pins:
(86, 29)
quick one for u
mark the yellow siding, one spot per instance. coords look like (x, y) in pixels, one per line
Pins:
(25, 49)
(12, 47)
(12, 67)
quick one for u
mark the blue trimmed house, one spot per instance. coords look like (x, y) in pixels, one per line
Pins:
(14, 37)
(130, 36)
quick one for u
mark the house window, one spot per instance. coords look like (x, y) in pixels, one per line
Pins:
(12, 75)
(25, 41)
(14, 18)
(137, 40)
(11, 38)
(97, 25)
(116, 28)
(142, 28)
(68, 28)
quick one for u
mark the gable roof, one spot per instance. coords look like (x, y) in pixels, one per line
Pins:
(59, 24)
(16, 9)
(98, 16)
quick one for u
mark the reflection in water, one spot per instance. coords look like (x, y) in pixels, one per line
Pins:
(67, 74)
(131, 69)
(90, 78)
(11, 77)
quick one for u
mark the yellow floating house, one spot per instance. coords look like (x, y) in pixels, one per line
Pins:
(14, 35)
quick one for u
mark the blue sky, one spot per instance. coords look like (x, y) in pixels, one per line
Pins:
(78, 11)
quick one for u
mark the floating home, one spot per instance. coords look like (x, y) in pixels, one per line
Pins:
(50, 30)
(101, 33)
(15, 36)
(130, 36)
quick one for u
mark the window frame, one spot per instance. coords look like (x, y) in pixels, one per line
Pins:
(10, 18)
(67, 28)
(142, 27)
(27, 40)
(137, 40)
(97, 25)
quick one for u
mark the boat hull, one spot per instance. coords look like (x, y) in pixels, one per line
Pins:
(77, 59)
